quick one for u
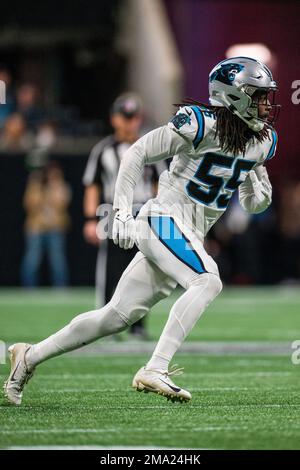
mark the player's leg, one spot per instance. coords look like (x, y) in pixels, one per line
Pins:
(119, 259)
(179, 253)
(140, 287)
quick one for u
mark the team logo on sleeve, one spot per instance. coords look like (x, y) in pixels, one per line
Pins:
(180, 120)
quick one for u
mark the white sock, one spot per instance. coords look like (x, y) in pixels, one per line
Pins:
(83, 329)
(183, 316)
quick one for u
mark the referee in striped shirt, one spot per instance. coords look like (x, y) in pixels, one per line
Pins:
(99, 180)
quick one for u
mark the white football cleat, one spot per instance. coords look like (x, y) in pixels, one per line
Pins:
(158, 381)
(19, 373)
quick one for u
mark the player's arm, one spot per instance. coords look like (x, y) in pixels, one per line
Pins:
(180, 135)
(185, 130)
(159, 144)
(255, 193)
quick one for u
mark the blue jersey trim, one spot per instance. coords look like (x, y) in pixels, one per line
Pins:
(201, 126)
(177, 243)
(273, 146)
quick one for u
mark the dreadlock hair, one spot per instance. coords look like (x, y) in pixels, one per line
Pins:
(232, 132)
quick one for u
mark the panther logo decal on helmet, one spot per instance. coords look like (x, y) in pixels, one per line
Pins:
(226, 73)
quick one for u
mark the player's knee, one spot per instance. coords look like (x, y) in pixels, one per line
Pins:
(102, 322)
(216, 285)
(211, 283)
(129, 307)
(131, 313)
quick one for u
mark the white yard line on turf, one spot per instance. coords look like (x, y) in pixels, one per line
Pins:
(187, 374)
(144, 407)
(192, 389)
(190, 347)
(210, 428)
(115, 430)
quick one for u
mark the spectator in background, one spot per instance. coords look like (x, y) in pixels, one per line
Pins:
(99, 179)
(46, 200)
(14, 135)
(28, 104)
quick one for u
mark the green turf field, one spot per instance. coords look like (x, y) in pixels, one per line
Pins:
(240, 400)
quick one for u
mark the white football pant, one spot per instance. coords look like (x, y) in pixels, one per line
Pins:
(170, 254)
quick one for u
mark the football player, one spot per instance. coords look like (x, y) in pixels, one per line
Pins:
(216, 149)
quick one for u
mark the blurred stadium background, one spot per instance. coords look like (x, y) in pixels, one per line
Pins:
(64, 63)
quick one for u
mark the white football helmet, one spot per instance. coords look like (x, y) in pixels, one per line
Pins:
(232, 84)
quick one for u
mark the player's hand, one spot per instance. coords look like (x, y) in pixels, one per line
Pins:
(262, 187)
(90, 232)
(124, 230)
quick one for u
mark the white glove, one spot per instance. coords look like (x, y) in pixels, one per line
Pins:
(256, 191)
(262, 187)
(124, 230)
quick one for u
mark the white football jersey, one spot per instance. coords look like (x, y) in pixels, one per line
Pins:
(206, 177)
(211, 176)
